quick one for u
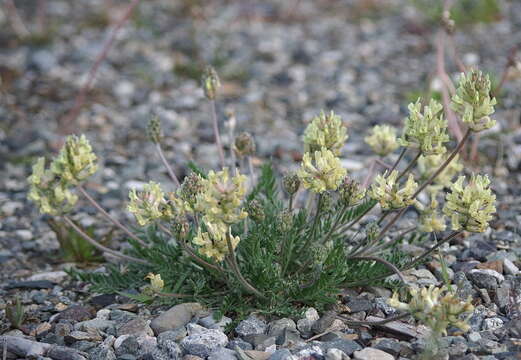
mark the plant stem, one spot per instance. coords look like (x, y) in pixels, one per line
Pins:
(335, 224)
(250, 168)
(290, 203)
(410, 166)
(419, 259)
(191, 252)
(98, 245)
(384, 262)
(216, 132)
(232, 260)
(400, 157)
(108, 216)
(167, 165)
(426, 183)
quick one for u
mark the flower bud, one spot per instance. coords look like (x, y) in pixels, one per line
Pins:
(211, 83)
(351, 192)
(191, 187)
(154, 132)
(285, 220)
(244, 145)
(255, 211)
(291, 183)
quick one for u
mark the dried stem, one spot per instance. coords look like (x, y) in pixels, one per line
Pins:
(16, 20)
(410, 166)
(99, 246)
(108, 216)
(250, 168)
(80, 98)
(171, 172)
(217, 135)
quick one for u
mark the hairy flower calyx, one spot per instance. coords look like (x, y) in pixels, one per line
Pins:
(325, 131)
(76, 161)
(388, 193)
(470, 206)
(435, 307)
(321, 171)
(382, 139)
(244, 145)
(425, 130)
(350, 192)
(472, 100)
(211, 83)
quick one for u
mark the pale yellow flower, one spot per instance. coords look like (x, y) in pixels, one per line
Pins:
(325, 131)
(470, 206)
(382, 139)
(213, 242)
(156, 283)
(389, 194)
(430, 218)
(321, 171)
(148, 205)
(76, 161)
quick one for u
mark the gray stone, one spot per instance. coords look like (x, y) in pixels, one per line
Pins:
(171, 336)
(281, 354)
(359, 304)
(223, 354)
(372, 354)
(476, 320)
(204, 343)
(93, 325)
(239, 343)
(509, 267)
(126, 344)
(121, 316)
(492, 324)
(485, 278)
(336, 354)
(381, 304)
(167, 341)
(277, 327)
(102, 353)
(464, 289)
(81, 336)
(177, 317)
(311, 314)
(251, 326)
(324, 323)
(391, 346)
(304, 326)
(138, 326)
(347, 346)
(313, 351)
(424, 276)
(210, 323)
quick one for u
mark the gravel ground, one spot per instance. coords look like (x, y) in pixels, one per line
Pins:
(281, 63)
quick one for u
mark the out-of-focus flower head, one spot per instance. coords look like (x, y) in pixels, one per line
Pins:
(382, 139)
(430, 218)
(325, 131)
(321, 171)
(76, 161)
(435, 307)
(427, 165)
(388, 193)
(156, 283)
(425, 130)
(244, 145)
(291, 183)
(220, 201)
(51, 195)
(470, 206)
(192, 186)
(154, 132)
(472, 100)
(211, 83)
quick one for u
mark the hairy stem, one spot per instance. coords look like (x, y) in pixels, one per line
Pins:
(400, 157)
(335, 224)
(216, 132)
(410, 166)
(191, 252)
(167, 165)
(232, 261)
(99, 246)
(108, 216)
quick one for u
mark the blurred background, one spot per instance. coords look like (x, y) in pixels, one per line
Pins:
(103, 68)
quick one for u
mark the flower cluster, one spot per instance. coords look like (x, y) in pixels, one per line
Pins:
(213, 243)
(154, 132)
(427, 165)
(321, 171)
(50, 188)
(430, 218)
(470, 206)
(435, 307)
(149, 205)
(50, 194)
(76, 161)
(382, 139)
(211, 83)
(325, 131)
(388, 193)
(244, 145)
(156, 284)
(472, 100)
(426, 131)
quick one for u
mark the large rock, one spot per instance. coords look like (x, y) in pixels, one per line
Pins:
(372, 354)
(204, 342)
(251, 326)
(177, 317)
